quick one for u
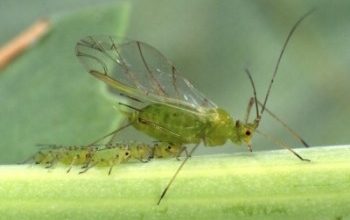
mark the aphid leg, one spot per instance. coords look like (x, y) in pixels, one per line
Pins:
(183, 149)
(254, 100)
(88, 156)
(111, 167)
(116, 161)
(176, 173)
(111, 133)
(50, 164)
(280, 143)
(75, 158)
(88, 168)
(290, 130)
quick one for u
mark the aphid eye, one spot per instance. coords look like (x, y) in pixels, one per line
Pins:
(248, 133)
(169, 147)
(126, 153)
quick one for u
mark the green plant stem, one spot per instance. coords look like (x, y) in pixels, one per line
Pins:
(270, 184)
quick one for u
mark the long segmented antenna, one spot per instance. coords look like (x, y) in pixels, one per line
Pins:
(255, 97)
(281, 55)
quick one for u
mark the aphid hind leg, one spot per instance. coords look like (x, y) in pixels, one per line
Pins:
(183, 149)
(176, 173)
(285, 126)
(111, 133)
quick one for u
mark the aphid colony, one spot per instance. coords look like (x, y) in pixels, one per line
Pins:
(162, 104)
(108, 155)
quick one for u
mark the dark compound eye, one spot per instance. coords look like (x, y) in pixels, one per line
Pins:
(126, 153)
(248, 133)
(169, 147)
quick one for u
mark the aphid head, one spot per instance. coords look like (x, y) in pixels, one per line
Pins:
(244, 133)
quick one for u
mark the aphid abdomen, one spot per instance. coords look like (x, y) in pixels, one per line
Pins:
(168, 150)
(141, 152)
(168, 123)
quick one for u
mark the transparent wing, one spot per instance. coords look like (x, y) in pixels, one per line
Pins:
(140, 71)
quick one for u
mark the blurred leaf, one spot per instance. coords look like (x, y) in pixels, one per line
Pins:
(47, 97)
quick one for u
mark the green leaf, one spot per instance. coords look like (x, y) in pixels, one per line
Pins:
(263, 185)
(47, 97)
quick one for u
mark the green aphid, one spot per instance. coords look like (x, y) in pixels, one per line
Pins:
(166, 105)
(66, 155)
(110, 155)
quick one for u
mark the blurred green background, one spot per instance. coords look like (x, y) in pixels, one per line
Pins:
(47, 97)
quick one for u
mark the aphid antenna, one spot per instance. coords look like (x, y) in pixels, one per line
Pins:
(291, 32)
(282, 144)
(254, 100)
